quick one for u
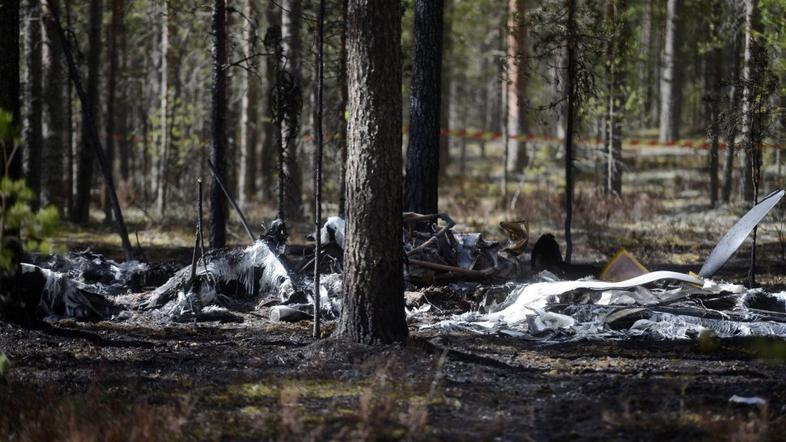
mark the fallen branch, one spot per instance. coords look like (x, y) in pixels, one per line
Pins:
(232, 201)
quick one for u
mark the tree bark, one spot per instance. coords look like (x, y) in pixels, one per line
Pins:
(84, 179)
(713, 74)
(269, 142)
(33, 129)
(218, 203)
(444, 93)
(343, 100)
(164, 141)
(9, 83)
(249, 124)
(752, 79)
(570, 115)
(516, 59)
(292, 179)
(671, 79)
(731, 121)
(114, 31)
(616, 63)
(373, 306)
(54, 130)
(421, 188)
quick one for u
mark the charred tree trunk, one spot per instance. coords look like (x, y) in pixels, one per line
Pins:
(218, 203)
(444, 93)
(730, 133)
(33, 132)
(164, 139)
(342, 127)
(570, 116)
(114, 30)
(9, 83)
(291, 176)
(249, 125)
(671, 79)
(84, 178)
(421, 188)
(268, 155)
(616, 53)
(517, 76)
(646, 43)
(752, 79)
(372, 310)
(54, 130)
(713, 73)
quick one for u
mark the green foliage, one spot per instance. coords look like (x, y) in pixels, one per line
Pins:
(5, 364)
(16, 215)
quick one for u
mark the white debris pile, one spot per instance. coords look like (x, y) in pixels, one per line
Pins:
(660, 305)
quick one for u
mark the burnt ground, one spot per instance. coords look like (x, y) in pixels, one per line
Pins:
(262, 380)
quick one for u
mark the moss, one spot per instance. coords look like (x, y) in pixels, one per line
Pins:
(309, 388)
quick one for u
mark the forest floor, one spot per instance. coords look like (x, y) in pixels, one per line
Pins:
(263, 380)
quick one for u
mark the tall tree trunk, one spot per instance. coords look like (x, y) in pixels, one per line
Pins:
(9, 83)
(218, 203)
(372, 310)
(54, 130)
(671, 79)
(445, 89)
(516, 59)
(249, 124)
(114, 30)
(33, 135)
(343, 100)
(421, 188)
(269, 142)
(616, 53)
(125, 153)
(71, 142)
(731, 121)
(645, 63)
(84, 179)
(713, 74)
(292, 179)
(164, 141)
(570, 115)
(752, 79)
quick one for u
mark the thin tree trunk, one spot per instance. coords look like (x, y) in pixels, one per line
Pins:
(71, 144)
(33, 135)
(421, 188)
(292, 180)
(516, 59)
(570, 115)
(343, 100)
(617, 53)
(55, 135)
(84, 179)
(10, 83)
(117, 17)
(164, 142)
(445, 89)
(320, 52)
(218, 204)
(751, 86)
(646, 42)
(269, 143)
(671, 79)
(372, 310)
(731, 121)
(714, 72)
(248, 108)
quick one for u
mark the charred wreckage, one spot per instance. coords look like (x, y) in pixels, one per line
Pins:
(456, 281)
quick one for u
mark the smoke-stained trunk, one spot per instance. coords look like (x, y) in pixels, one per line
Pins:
(730, 133)
(421, 189)
(249, 124)
(291, 180)
(713, 74)
(750, 118)
(9, 82)
(671, 77)
(372, 310)
(84, 178)
(516, 58)
(164, 141)
(218, 203)
(114, 31)
(444, 93)
(270, 140)
(33, 130)
(616, 63)
(54, 130)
